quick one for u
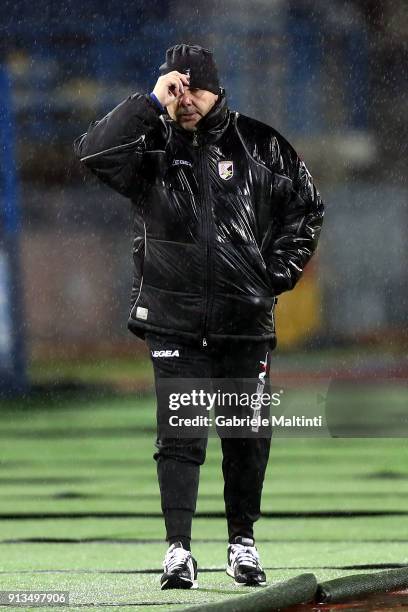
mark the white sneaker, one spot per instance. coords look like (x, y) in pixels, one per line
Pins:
(180, 569)
(243, 563)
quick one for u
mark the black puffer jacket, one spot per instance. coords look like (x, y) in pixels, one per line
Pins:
(225, 217)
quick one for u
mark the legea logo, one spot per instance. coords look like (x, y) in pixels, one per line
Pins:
(182, 162)
(168, 353)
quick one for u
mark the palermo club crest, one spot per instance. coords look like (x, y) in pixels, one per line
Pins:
(226, 170)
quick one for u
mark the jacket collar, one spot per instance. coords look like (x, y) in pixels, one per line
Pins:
(211, 127)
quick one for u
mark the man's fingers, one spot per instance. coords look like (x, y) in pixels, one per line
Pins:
(175, 88)
(185, 78)
(180, 79)
(176, 85)
(181, 75)
(171, 86)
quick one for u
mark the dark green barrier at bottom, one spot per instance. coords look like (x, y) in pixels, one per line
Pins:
(300, 589)
(354, 587)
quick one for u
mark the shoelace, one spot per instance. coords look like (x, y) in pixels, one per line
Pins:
(175, 559)
(244, 555)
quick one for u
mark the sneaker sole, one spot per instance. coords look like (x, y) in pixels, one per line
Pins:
(176, 582)
(230, 573)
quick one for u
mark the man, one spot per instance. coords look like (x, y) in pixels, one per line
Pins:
(226, 217)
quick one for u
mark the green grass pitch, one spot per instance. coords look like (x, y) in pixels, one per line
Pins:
(89, 460)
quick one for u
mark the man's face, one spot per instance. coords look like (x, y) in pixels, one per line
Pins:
(192, 106)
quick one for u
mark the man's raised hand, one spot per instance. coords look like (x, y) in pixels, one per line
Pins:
(170, 86)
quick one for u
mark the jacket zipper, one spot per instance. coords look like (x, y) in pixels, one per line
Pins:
(206, 202)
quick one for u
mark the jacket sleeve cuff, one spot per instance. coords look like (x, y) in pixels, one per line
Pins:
(145, 109)
(156, 101)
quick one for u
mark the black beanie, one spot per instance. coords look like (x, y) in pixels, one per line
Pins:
(195, 61)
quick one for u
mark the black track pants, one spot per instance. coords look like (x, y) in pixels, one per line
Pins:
(179, 460)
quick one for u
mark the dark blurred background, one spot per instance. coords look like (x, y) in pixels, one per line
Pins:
(331, 76)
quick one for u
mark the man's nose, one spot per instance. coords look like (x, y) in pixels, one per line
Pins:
(185, 99)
